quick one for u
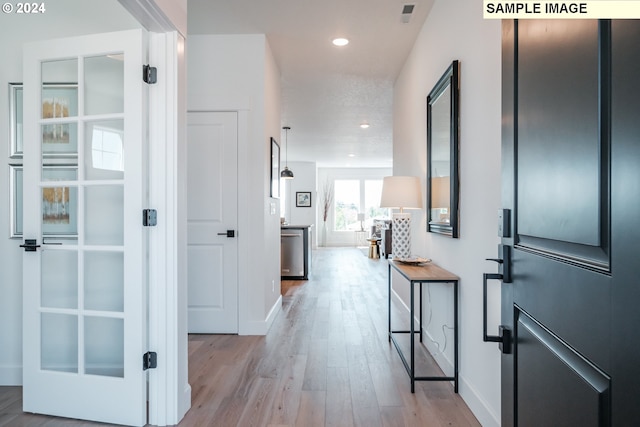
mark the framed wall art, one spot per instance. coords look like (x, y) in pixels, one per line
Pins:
(15, 120)
(303, 199)
(15, 201)
(275, 169)
(59, 202)
(59, 102)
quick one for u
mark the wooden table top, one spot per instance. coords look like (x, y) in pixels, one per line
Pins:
(429, 272)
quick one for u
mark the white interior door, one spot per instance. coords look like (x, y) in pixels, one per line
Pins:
(85, 309)
(212, 212)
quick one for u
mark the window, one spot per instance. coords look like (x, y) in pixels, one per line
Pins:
(353, 196)
(372, 209)
(347, 204)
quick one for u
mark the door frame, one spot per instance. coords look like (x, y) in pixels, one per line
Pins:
(169, 391)
(169, 394)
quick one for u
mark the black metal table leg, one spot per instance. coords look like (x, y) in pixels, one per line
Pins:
(412, 331)
(455, 336)
(420, 332)
(389, 300)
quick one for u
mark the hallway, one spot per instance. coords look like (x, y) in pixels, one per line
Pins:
(325, 362)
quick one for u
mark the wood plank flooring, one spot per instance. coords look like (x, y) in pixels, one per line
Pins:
(325, 362)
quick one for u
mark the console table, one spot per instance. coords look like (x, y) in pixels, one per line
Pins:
(420, 274)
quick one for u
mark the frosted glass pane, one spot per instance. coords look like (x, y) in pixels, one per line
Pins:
(104, 84)
(104, 281)
(59, 284)
(60, 211)
(59, 173)
(59, 140)
(104, 150)
(104, 346)
(104, 221)
(60, 89)
(59, 342)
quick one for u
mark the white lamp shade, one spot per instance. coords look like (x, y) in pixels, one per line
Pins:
(360, 217)
(401, 192)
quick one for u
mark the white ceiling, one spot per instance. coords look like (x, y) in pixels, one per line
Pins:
(327, 92)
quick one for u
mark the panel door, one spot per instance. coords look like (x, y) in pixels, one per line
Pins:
(84, 330)
(571, 152)
(212, 215)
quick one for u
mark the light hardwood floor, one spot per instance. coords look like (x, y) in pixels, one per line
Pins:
(325, 362)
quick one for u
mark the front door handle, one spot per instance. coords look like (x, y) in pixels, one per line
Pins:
(504, 334)
(228, 233)
(30, 245)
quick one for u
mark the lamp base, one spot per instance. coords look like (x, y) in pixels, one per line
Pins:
(401, 240)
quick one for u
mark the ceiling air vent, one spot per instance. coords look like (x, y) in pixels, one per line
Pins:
(407, 10)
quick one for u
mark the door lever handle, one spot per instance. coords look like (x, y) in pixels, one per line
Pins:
(30, 245)
(504, 263)
(228, 233)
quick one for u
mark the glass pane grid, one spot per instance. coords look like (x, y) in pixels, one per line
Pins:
(82, 305)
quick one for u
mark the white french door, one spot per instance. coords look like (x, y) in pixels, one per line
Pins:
(85, 312)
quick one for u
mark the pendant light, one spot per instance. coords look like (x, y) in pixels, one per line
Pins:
(286, 172)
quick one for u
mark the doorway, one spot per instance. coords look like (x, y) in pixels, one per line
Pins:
(212, 203)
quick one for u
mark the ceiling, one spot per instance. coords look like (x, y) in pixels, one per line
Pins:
(327, 91)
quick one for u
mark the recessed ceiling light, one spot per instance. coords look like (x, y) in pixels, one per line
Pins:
(364, 125)
(340, 42)
(352, 155)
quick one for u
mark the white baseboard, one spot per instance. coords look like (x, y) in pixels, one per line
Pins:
(263, 326)
(184, 402)
(10, 375)
(477, 405)
(474, 401)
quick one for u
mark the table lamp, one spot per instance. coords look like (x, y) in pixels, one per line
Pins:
(361, 219)
(401, 192)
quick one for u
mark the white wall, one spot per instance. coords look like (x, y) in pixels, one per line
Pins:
(238, 73)
(304, 180)
(456, 30)
(63, 18)
(272, 127)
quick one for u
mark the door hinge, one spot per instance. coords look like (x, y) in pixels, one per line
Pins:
(149, 217)
(149, 360)
(149, 74)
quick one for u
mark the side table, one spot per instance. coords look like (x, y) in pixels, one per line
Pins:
(374, 247)
(420, 274)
